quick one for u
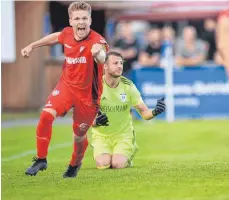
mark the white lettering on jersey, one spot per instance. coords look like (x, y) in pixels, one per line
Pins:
(76, 60)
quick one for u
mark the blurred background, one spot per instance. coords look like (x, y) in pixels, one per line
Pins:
(142, 31)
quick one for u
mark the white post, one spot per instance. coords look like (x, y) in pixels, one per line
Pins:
(168, 66)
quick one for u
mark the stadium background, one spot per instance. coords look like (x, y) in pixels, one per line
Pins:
(31, 80)
(180, 161)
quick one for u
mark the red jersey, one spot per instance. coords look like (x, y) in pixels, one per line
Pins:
(80, 72)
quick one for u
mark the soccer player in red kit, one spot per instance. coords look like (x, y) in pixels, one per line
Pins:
(79, 87)
(222, 38)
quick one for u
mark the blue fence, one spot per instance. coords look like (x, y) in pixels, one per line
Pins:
(200, 92)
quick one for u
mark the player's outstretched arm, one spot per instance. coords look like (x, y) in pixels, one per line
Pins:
(98, 53)
(100, 120)
(45, 41)
(149, 114)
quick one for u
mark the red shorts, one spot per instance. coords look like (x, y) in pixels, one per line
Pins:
(62, 100)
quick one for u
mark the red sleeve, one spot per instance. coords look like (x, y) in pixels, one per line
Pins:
(62, 35)
(102, 41)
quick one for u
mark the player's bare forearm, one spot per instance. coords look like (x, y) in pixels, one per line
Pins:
(98, 53)
(148, 114)
(46, 41)
(144, 111)
(101, 57)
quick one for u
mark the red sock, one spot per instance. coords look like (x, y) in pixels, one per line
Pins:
(44, 132)
(78, 152)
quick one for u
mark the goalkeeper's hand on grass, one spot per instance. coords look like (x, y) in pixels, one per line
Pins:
(160, 107)
(101, 119)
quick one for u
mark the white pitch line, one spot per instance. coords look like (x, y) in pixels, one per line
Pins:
(31, 152)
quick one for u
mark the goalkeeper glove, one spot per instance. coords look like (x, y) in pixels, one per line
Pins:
(101, 119)
(160, 107)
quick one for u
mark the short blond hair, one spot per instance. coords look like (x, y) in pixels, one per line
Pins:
(79, 5)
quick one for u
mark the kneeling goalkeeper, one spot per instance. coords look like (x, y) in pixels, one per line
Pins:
(114, 143)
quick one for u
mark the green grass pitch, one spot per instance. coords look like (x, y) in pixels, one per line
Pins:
(186, 160)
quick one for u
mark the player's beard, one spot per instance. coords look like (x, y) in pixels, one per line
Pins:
(113, 75)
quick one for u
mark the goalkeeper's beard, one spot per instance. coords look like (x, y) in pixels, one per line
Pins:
(114, 76)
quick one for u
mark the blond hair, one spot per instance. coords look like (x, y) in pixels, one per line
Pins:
(79, 5)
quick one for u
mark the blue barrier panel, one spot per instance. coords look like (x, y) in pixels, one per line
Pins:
(199, 91)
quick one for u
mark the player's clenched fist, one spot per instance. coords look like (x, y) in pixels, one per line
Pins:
(160, 107)
(96, 49)
(26, 51)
